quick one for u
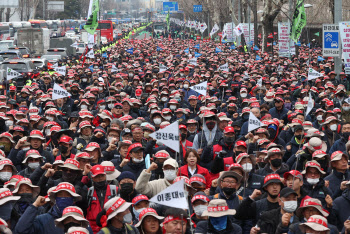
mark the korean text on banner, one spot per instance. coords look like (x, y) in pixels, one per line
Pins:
(10, 74)
(283, 39)
(310, 105)
(59, 92)
(313, 74)
(253, 122)
(201, 88)
(299, 20)
(169, 136)
(344, 28)
(173, 196)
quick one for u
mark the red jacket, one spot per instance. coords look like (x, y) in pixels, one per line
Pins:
(59, 157)
(183, 171)
(95, 208)
(227, 162)
(187, 145)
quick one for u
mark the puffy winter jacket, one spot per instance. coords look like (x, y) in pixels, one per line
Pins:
(335, 179)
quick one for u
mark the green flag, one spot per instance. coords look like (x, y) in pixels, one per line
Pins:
(92, 23)
(317, 34)
(167, 19)
(299, 21)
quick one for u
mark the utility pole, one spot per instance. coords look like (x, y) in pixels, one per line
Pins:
(255, 12)
(338, 17)
(291, 12)
(44, 9)
(248, 43)
(239, 19)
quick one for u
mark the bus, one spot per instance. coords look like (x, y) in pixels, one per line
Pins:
(106, 29)
(38, 23)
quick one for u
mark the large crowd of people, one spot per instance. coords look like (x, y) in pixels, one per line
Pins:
(87, 163)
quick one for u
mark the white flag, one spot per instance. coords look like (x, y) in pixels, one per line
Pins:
(313, 74)
(90, 54)
(55, 65)
(203, 27)
(75, 44)
(162, 67)
(59, 92)
(193, 61)
(169, 136)
(12, 74)
(60, 70)
(259, 83)
(214, 30)
(347, 100)
(224, 67)
(114, 69)
(173, 196)
(238, 30)
(253, 123)
(201, 88)
(310, 104)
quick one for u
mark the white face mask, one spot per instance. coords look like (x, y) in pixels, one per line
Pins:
(247, 167)
(172, 107)
(127, 218)
(47, 132)
(243, 95)
(8, 123)
(136, 160)
(137, 212)
(333, 127)
(346, 108)
(319, 117)
(131, 74)
(200, 209)
(157, 121)
(83, 107)
(100, 88)
(167, 118)
(312, 181)
(33, 165)
(186, 86)
(164, 99)
(5, 176)
(152, 111)
(102, 107)
(110, 106)
(84, 80)
(170, 174)
(49, 118)
(25, 149)
(290, 206)
(109, 139)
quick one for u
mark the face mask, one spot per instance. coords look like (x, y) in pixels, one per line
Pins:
(219, 223)
(34, 165)
(261, 164)
(333, 127)
(49, 118)
(200, 209)
(57, 175)
(167, 118)
(164, 99)
(299, 137)
(110, 106)
(243, 95)
(8, 123)
(69, 177)
(126, 188)
(346, 108)
(319, 117)
(247, 167)
(26, 197)
(288, 105)
(312, 181)
(100, 88)
(183, 136)
(63, 202)
(100, 185)
(127, 218)
(84, 80)
(137, 212)
(83, 107)
(153, 110)
(245, 117)
(157, 121)
(135, 160)
(26, 149)
(210, 125)
(63, 149)
(290, 206)
(74, 91)
(346, 135)
(172, 107)
(47, 132)
(5, 176)
(131, 74)
(170, 174)
(229, 140)
(91, 102)
(102, 107)
(229, 191)
(185, 86)
(272, 133)
(69, 225)
(276, 162)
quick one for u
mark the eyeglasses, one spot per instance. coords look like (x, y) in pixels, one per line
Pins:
(229, 182)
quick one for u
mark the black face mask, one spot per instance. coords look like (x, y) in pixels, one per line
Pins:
(238, 152)
(69, 177)
(346, 135)
(229, 191)
(69, 225)
(74, 91)
(126, 189)
(17, 138)
(26, 198)
(210, 125)
(272, 133)
(299, 137)
(261, 164)
(231, 112)
(59, 81)
(341, 94)
(63, 149)
(101, 185)
(57, 175)
(276, 162)
(229, 140)
(183, 136)
(91, 102)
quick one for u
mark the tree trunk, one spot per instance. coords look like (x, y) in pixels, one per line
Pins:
(7, 15)
(267, 29)
(1, 12)
(255, 12)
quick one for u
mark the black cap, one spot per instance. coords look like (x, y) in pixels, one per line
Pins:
(285, 192)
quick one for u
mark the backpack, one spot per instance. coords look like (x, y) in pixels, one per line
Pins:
(91, 192)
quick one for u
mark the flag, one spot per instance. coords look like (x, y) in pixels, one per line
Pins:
(91, 67)
(270, 36)
(130, 51)
(193, 61)
(298, 43)
(217, 50)
(238, 30)
(201, 88)
(92, 22)
(162, 67)
(197, 46)
(167, 19)
(310, 104)
(169, 136)
(312, 74)
(224, 67)
(253, 122)
(268, 44)
(11, 74)
(172, 196)
(159, 49)
(90, 54)
(114, 69)
(256, 47)
(59, 92)
(317, 34)
(214, 30)
(75, 44)
(60, 70)
(197, 54)
(232, 47)
(320, 59)
(299, 20)
(187, 50)
(257, 58)
(104, 55)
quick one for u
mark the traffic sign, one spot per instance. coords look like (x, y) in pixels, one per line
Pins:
(197, 8)
(171, 6)
(331, 46)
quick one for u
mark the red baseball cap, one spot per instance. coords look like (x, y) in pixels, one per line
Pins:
(293, 173)
(229, 129)
(239, 143)
(98, 170)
